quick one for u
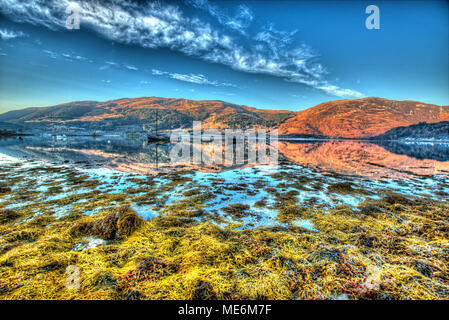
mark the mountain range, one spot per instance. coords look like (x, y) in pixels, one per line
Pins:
(358, 118)
(171, 114)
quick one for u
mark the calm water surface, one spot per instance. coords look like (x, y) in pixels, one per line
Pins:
(360, 158)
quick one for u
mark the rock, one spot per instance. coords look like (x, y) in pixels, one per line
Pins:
(106, 228)
(51, 266)
(127, 223)
(371, 210)
(329, 254)
(6, 247)
(5, 189)
(398, 199)
(424, 268)
(115, 225)
(203, 291)
(8, 216)
(366, 240)
(104, 279)
(238, 210)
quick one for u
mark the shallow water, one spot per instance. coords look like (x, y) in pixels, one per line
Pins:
(111, 164)
(360, 158)
(314, 167)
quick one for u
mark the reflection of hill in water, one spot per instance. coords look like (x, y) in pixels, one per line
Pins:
(359, 158)
(87, 149)
(116, 153)
(346, 157)
(421, 150)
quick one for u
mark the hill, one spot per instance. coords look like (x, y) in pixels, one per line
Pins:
(420, 131)
(171, 114)
(361, 118)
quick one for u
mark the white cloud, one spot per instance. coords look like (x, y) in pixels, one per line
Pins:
(239, 21)
(51, 54)
(6, 34)
(192, 78)
(158, 72)
(66, 56)
(340, 92)
(158, 25)
(130, 67)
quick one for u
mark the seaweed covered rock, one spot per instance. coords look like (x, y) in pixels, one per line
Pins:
(117, 225)
(367, 240)
(329, 254)
(4, 189)
(203, 291)
(237, 210)
(8, 216)
(151, 270)
(341, 187)
(424, 267)
(7, 246)
(106, 228)
(27, 235)
(81, 228)
(127, 222)
(346, 188)
(371, 210)
(294, 210)
(398, 199)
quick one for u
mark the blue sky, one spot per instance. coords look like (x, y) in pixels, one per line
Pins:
(266, 54)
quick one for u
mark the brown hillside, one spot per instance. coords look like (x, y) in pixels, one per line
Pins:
(178, 113)
(212, 113)
(359, 118)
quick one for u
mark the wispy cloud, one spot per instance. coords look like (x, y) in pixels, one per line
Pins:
(109, 64)
(192, 78)
(6, 34)
(130, 67)
(51, 54)
(112, 64)
(340, 92)
(76, 57)
(238, 21)
(66, 56)
(158, 72)
(158, 25)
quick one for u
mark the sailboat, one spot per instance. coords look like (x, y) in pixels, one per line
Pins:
(156, 137)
